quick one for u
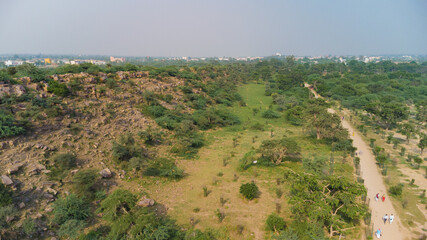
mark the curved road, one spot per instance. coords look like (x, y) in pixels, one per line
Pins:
(374, 184)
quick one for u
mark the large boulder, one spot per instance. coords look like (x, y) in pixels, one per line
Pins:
(106, 173)
(6, 180)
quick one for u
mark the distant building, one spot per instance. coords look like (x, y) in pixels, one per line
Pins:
(11, 63)
(113, 59)
(48, 61)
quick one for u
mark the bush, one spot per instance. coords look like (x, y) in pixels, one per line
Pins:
(68, 208)
(5, 195)
(29, 227)
(84, 183)
(111, 83)
(156, 111)
(151, 136)
(59, 89)
(126, 148)
(117, 204)
(396, 190)
(270, 114)
(249, 190)
(275, 223)
(163, 167)
(6, 211)
(8, 126)
(65, 161)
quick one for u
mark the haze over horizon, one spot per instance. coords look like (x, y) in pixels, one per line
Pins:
(213, 28)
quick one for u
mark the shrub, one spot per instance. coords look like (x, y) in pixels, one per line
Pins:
(70, 229)
(65, 161)
(156, 111)
(164, 167)
(59, 89)
(68, 208)
(126, 148)
(249, 190)
(151, 136)
(275, 223)
(6, 211)
(396, 190)
(111, 83)
(8, 126)
(116, 204)
(247, 160)
(5, 195)
(270, 114)
(29, 227)
(84, 183)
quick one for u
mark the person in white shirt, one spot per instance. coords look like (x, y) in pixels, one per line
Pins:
(391, 218)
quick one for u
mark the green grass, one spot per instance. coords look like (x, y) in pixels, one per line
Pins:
(185, 195)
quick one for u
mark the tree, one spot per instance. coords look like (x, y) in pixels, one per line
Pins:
(407, 129)
(278, 150)
(423, 143)
(332, 201)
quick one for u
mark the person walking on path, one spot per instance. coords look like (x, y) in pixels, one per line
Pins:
(377, 196)
(378, 233)
(391, 218)
(383, 197)
(385, 218)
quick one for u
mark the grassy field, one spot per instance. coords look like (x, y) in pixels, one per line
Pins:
(185, 198)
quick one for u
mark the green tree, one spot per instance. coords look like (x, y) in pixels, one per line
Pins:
(423, 143)
(278, 150)
(332, 201)
(407, 129)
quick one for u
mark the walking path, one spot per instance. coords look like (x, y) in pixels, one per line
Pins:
(374, 184)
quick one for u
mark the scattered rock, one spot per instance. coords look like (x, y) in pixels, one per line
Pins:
(3, 145)
(48, 209)
(9, 219)
(15, 168)
(74, 171)
(36, 169)
(106, 173)
(13, 143)
(18, 90)
(147, 202)
(21, 205)
(6, 180)
(52, 191)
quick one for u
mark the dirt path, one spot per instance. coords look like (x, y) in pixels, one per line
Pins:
(374, 184)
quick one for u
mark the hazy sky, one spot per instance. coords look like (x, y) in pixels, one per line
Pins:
(213, 27)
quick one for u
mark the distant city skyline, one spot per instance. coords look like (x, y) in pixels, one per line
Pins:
(201, 28)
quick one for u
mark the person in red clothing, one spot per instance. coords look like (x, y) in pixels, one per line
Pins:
(383, 197)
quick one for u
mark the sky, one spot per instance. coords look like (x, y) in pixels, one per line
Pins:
(209, 28)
